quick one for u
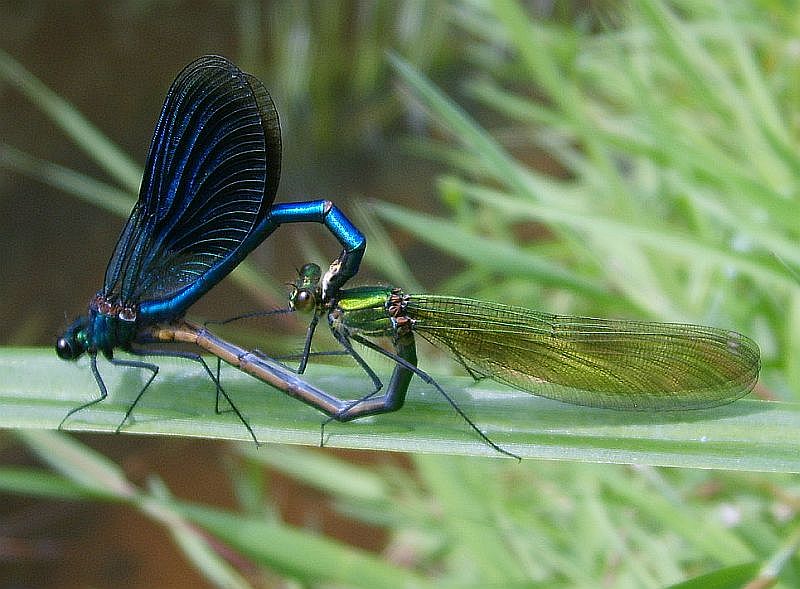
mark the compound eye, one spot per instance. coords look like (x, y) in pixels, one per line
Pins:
(304, 300)
(64, 349)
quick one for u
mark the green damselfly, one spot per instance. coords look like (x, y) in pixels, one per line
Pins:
(604, 363)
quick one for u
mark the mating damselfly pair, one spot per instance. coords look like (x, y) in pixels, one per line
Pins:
(207, 200)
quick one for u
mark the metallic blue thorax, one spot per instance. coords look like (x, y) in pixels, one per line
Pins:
(109, 326)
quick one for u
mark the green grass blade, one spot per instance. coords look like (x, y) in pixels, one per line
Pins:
(102, 195)
(45, 485)
(38, 389)
(711, 538)
(73, 123)
(81, 465)
(451, 117)
(679, 243)
(732, 577)
(326, 473)
(87, 474)
(383, 252)
(196, 545)
(106, 154)
(501, 257)
(301, 555)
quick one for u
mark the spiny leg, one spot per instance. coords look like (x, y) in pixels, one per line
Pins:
(429, 380)
(347, 349)
(243, 316)
(312, 327)
(476, 376)
(218, 382)
(377, 384)
(303, 356)
(278, 359)
(100, 384)
(306, 353)
(195, 358)
(344, 341)
(153, 368)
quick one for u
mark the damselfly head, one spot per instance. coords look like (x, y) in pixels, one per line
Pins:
(305, 293)
(72, 343)
(309, 274)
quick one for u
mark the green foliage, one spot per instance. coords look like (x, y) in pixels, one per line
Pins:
(642, 166)
(748, 435)
(456, 522)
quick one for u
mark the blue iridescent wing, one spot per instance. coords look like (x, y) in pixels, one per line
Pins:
(210, 178)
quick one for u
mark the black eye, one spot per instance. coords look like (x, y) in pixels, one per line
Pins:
(64, 349)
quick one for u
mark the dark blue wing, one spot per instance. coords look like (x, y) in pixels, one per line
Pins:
(210, 177)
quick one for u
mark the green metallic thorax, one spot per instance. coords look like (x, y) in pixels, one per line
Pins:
(363, 310)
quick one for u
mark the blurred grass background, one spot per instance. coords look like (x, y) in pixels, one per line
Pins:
(627, 160)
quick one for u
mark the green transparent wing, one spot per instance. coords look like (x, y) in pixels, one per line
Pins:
(618, 364)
